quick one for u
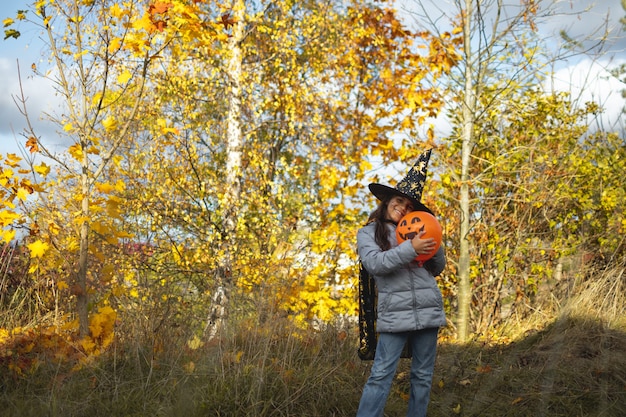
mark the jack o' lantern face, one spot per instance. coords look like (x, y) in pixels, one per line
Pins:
(409, 228)
(416, 222)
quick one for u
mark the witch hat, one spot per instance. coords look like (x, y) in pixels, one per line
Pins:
(411, 186)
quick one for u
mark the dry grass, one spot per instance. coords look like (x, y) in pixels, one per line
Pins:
(570, 368)
(563, 361)
(602, 297)
(572, 363)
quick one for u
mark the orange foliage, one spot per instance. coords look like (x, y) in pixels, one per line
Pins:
(22, 350)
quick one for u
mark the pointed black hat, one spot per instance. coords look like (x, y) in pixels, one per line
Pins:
(410, 187)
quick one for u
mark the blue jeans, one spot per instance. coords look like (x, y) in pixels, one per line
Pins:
(388, 351)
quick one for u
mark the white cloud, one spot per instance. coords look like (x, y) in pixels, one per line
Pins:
(40, 98)
(584, 21)
(588, 21)
(589, 81)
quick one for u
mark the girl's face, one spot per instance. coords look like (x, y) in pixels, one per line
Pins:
(398, 206)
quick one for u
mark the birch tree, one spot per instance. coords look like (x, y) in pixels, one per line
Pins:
(501, 55)
(322, 87)
(234, 144)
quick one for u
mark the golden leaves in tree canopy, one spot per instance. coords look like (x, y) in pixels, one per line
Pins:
(158, 14)
(323, 88)
(314, 112)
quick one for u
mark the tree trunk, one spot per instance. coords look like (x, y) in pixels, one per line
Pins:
(82, 298)
(229, 202)
(467, 142)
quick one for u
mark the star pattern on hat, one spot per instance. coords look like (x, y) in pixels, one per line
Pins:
(411, 186)
(413, 183)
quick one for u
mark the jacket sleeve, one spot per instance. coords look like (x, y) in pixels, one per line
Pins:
(437, 263)
(377, 261)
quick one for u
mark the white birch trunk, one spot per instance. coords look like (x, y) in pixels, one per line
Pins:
(467, 142)
(229, 203)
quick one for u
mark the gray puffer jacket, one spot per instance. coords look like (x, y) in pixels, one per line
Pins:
(408, 295)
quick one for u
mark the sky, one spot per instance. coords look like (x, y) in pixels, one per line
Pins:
(585, 78)
(29, 49)
(26, 50)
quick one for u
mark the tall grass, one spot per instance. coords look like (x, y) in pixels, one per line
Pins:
(568, 359)
(275, 370)
(565, 361)
(602, 296)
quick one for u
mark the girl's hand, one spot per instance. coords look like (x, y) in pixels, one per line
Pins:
(423, 246)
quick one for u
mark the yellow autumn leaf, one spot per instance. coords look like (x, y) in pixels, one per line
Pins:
(7, 22)
(7, 217)
(105, 187)
(53, 228)
(12, 160)
(115, 44)
(194, 343)
(7, 173)
(108, 272)
(365, 165)
(42, 169)
(68, 127)
(120, 186)
(4, 335)
(143, 24)
(113, 208)
(96, 99)
(22, 194)
(88, 344)
(116, 11)
(8, 235)
(37, 248)
(189, 367)
(124, 77)
(162, 123)
(76, 151)
(109, 123)
(99, 227)
(117, 160)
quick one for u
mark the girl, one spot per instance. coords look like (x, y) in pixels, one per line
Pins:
(410, 305)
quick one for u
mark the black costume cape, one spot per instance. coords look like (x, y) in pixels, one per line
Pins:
(368, 313)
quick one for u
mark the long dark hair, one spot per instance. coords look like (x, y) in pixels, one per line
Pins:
(378, 216)
(381, 234)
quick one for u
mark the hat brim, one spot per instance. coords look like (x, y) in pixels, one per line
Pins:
(381, 192)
